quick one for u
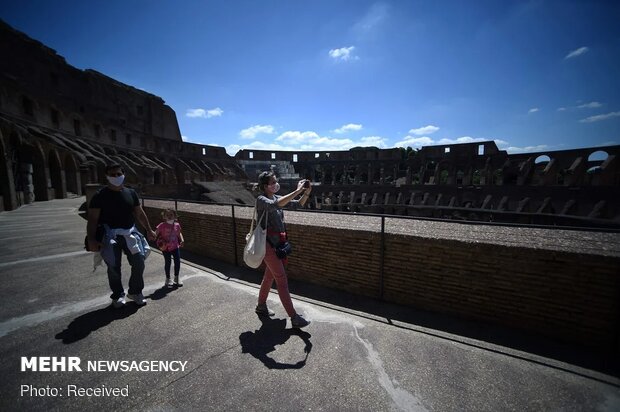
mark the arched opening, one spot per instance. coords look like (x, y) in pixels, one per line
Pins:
(542, 159)
(443, 177)
(72, 176)
(157, 179)
(56, 174)
(29, 172)
(498, 177)
(598, 156)
(459, 177)
(476, 178)
(364, 178)
(7, 190)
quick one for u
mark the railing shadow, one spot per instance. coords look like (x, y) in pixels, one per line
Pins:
(484, 335)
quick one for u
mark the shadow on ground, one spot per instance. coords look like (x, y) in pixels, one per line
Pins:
(83, 325)
(430, 323)
(272, 333)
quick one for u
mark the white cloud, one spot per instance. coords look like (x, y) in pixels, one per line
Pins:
(296, 136)
(539, 148)
(576, 52)
(415, 142)
(217, 112)
(464, 139)
(600, 117)
(376, 141)
(251, 132)
(205, 114)
(196, 113)
(348, 127)
(561, 109)
(343, 53)
(185, 138)
(430, 129)
(308, 141)
(533, 110)
(591, 105)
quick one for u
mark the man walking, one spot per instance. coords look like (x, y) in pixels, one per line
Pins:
(111, 229)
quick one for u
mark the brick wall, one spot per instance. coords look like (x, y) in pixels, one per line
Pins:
(570, 296)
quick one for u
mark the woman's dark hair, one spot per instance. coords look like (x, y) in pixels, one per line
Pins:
(263, 180)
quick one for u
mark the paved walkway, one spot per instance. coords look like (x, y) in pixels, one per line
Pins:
(357, 354)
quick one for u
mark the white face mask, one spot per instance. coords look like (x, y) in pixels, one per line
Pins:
(275, 187)
(170, 221)
(116, 180)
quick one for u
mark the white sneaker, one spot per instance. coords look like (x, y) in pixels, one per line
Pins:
(178, 281)
(169, 283)
(139, 299)
(119, 303)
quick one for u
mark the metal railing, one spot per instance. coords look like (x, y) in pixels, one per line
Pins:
(375, 215)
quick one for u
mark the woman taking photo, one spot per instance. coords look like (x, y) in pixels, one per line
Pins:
(275, 254)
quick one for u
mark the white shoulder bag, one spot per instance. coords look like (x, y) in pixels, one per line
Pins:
(256, 242)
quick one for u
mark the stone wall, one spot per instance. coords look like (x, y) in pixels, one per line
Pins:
(60, 126)
(567, 295)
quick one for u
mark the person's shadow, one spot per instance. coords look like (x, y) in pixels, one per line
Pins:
(161, 293)
(83, 325)
(264, 340)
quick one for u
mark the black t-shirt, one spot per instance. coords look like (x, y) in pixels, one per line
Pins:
(116, 207)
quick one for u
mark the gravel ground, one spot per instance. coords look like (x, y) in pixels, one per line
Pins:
(576, 241)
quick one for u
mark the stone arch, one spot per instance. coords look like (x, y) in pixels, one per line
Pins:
(99, 174)
(7, 185)
(598, 156)
(30, 172)
(57, 175)
(476, 178)
(72, 175)
(157, 177)
(542, 159)
(444, 176)
(498, 177)
(444, 173)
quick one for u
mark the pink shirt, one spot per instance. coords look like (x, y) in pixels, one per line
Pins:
(170, 233)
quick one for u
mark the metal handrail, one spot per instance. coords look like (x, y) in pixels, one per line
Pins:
(382, 216)
(433, 219)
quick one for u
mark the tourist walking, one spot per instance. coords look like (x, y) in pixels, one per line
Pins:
(169, 241)
(111, 230)
(277, 238)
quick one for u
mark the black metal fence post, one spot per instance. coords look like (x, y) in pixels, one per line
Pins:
(382, 258)
(234, 230)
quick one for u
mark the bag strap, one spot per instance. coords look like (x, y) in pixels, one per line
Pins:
(253, 217)
(265, 215)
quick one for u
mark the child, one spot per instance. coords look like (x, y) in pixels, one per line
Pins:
(169, 240)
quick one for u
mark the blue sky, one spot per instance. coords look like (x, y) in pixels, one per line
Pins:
(331, 75)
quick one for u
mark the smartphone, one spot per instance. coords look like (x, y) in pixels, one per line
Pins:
(307, 184)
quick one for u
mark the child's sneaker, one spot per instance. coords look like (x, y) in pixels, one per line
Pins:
(299, 322)
(262, 309)
(178, 281)
(169, 283)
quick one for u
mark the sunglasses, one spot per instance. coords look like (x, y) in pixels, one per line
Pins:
(115, 174)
